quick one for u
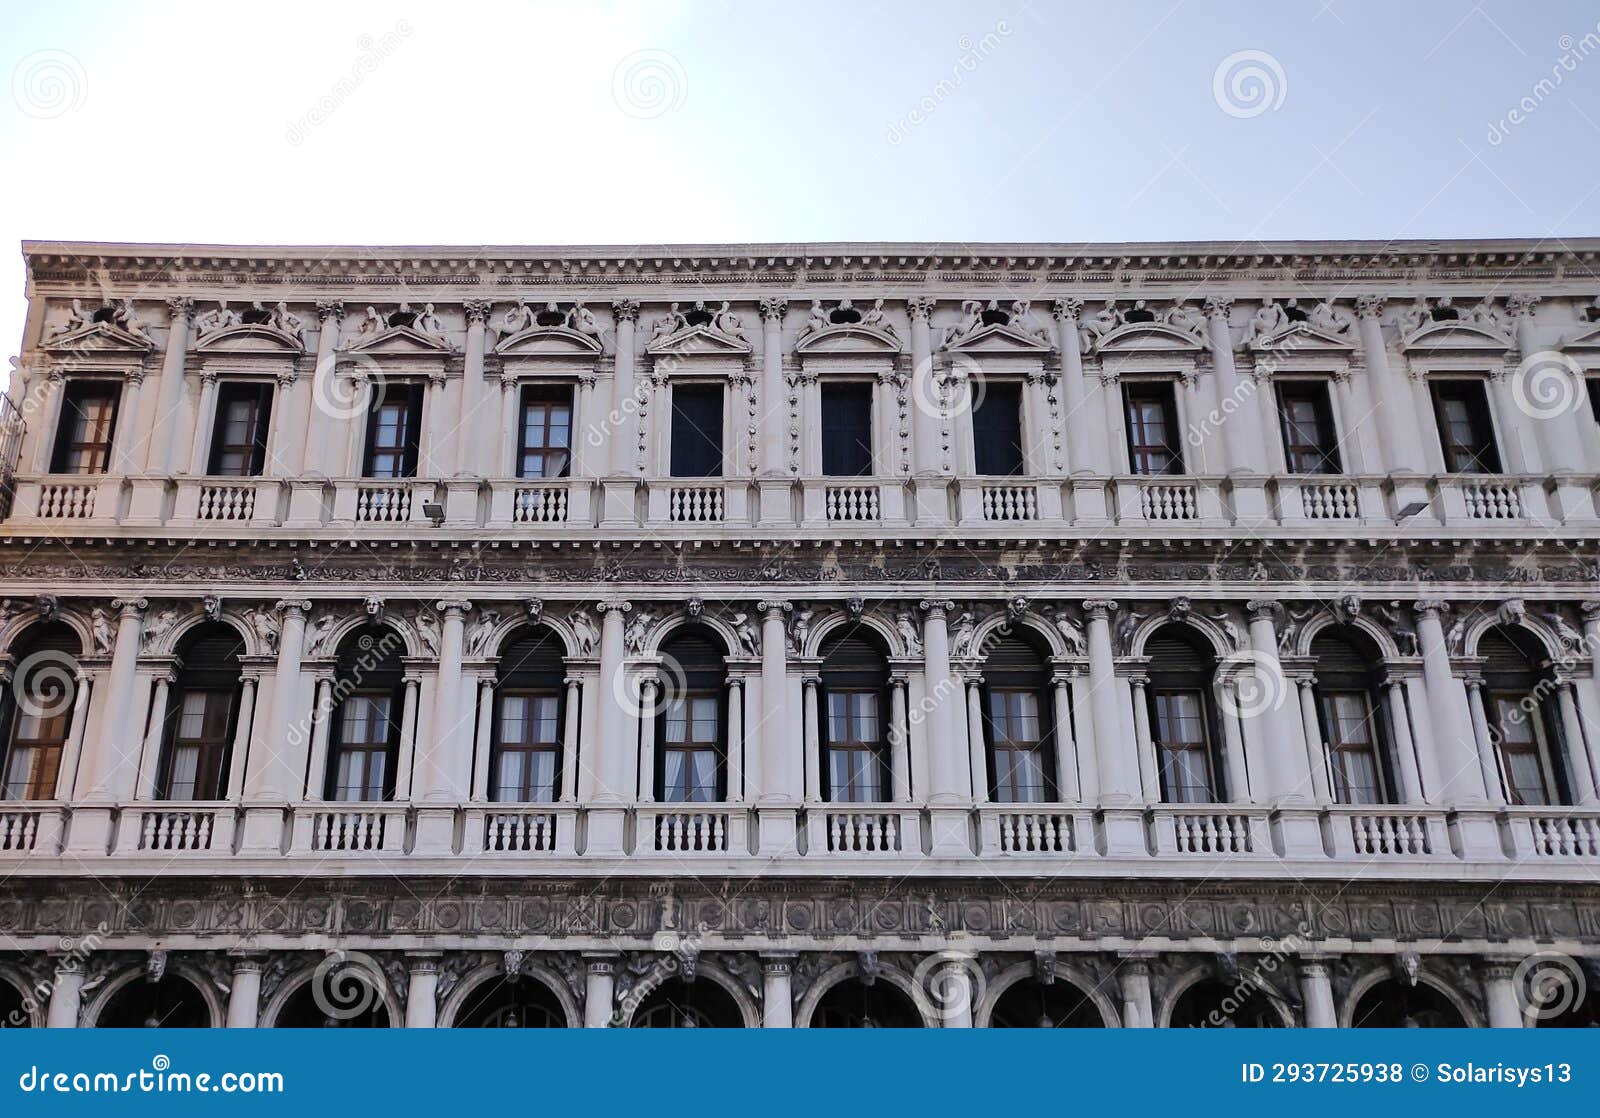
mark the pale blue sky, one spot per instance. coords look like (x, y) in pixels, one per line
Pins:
(476, 123)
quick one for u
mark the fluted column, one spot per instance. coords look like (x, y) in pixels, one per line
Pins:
(160, 452)
(925, 441)
(623, 404)
(773, 394)
(477, 403)
(1398, 430)
(244, 996)
(615, 739)
(777, 998)
(66, 996)
(599, 989)
(422, 990)
(1316, 991)
(111, 763)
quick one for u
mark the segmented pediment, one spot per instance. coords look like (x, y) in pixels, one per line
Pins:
(692, 340)
(1456, 336)
(400, 340)
(250, 338)
(549, 341)
(1587, 339)
(99, 337)
(1000, 339)
(1148, 337)
(847, 339)
(1302, 337)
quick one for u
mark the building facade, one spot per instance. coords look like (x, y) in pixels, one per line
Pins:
(1135, 636)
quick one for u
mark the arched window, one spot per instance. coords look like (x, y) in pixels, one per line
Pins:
(512, 1002)
(199, 719)
(1182, 716)
(691, 761)
(528, 703)
(1394, 1005)
(1520, 700)
(170, 1003)
(311, 1008)
(1347, 680)
(1031, 1004)
(365, 735)
(1018, 721)
(678, 1004)
(856, 1003)
(855, 681)
(1212, 1004)
(36, 711)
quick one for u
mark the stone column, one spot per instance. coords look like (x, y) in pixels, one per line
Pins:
(83, 689)
(321, 724)
(277, 780)
(506, 445)
(1488, 756)
(289, 450)
(615, 738)
(569, 739)
(150, 753)
(244, 996)
(1565, 438)
(1589, 707)
(66, 996)
(623, 403)
(583, 462)
(438, 454)
(645, 779)
(1456, 752)
(44, 438)
(329, 409)
(204, 422)
(598, 989)
(899, 741)
(1067, 789)
(110, 764)
(443, 768)
(774, 395)
(813, 740)
(782, 766)
(1405, 745)
(477, 404)
(1120, 790)
(1577, 757)
(1316, 748)
(1296, 821)
(777, 999)
(976, 744)
(955, 982)
(925, 441)
(422, 1008)
(1241, 788)
(1144, 741)
(482, 752)
(1398, 432)
(1317, 993)
(127, 456)
(947, 786)
(405, 765)
(163, 437)
(1243, 448)
(735, 740)
(1133, 975)
(1083, 449)
(1500, 993)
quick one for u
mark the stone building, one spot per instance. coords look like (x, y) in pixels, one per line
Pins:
(836, 635)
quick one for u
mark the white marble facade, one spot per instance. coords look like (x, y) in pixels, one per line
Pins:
(758, 635)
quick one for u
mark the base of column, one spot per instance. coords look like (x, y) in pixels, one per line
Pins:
(147, 502)
(619, 503)
(436, 831)
(1297, 833)
(1122, 831)
(90, 829)
(262, 831)
(1089, 501)
(775, 505)
(604, 832)
(1250, 504)
(777, 829)
(306, 503)
(1475, 836)
(950, 832)
(932, 497)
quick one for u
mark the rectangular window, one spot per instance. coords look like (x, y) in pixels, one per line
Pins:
(526, 748)
(239, 437)
(1183, 747)
(367, 730)
(34, 759)
(1152, 415)
(544, 448)
(855, 767)
(88, 424)
(997, 430)
(1466, 434)
(697, 430)
(394, 432)
(1347, 720)
(689, 749)
(847, 430)
(1019, 768)
(1521, 752)
(199, 748)
(1309, 443)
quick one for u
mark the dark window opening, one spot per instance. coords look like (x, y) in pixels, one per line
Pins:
(1309, 443)
(104, 314)
(1181, 717)
(402, 318)
(844, 315)
(1294, 313)
(366, 726)
(239, 435)
(855, 684)
(697, 430)
(1444, 313)
(545, 436)
(1019, 723)
(691, 723)
(1466, 434)
(88, 425)
(36, 714)
(255, 316)
(551, 316)
(201, 715)
(993, 315)
(1138, 314)
(394, 432)
(846, 430)
(1593, 385)
(1348, 677)
(699, 316)
(525, 745)
(1152, 416)
(997, 431)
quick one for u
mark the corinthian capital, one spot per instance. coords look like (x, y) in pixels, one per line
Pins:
(182, 308)
(477, 310)
(920, 307)
(773, 310)
(625, 310)
(1067, 310)
(1369, 306)
(330, 308)
(1218, 307)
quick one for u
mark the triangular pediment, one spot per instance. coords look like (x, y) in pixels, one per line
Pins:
(400, 340)
(99, 337)
(1586, 339)
(700, 340)
(1302, 337)
(549, 341)
(999, 338)
(849, 338)
(1456, 337)
(1148, 337)
(250, 338)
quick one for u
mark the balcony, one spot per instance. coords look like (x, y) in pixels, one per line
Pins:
(703, 508)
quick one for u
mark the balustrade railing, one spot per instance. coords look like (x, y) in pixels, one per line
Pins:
(863, 829)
